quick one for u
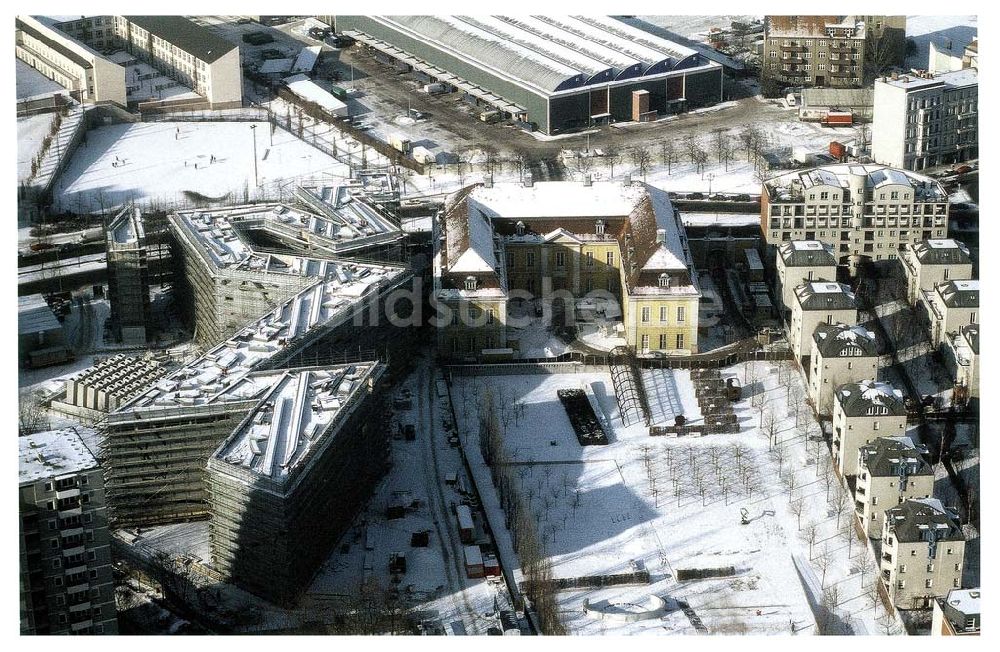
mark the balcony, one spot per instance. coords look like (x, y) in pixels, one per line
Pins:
(886, 557)
(77, 550)
(793, 48)
(859, 490)
(83, 606)
(83, 624)
(71, 492)
(72, 511)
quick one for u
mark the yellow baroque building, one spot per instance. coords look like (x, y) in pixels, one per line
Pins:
(561, 241)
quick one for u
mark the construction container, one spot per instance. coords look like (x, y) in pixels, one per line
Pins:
(838, 119)
(837, 149)
(423, 155)
(466, 527)
(491, 566)
(473, 562)
(339, 93)
(490, 116)
(436, 88)
(399, 143)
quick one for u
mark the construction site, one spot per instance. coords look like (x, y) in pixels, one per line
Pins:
(128, 276)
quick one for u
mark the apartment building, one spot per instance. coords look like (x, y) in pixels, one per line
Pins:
(864, 211)
(802, 261)
(961, 356)
(926, 120)
(929, 263)
(923, 552)
(863, 412)
(66, 581)
(128, 277)
(890, 470)
(555, 242)
(833, 51)
(841, 354)
(817, 303)
(193, 55)
(957, 614)
(86, 74)
(948, 307)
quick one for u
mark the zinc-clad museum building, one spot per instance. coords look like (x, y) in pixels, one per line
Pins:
(560, 73)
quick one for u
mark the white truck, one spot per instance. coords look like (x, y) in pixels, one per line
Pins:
(436, 88)
(400, 143)
(423, 155)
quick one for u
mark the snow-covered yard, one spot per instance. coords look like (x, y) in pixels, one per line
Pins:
(172, 163)
(672, 504)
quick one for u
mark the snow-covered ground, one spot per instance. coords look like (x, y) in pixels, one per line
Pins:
(155, 162)
(30, 133)
(940, 29)
(606, 509)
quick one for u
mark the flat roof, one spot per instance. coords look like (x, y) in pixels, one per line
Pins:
(296, 413)
(34, 315)
(32, 84)
(54, 453)
(954, 78)
(200, 42)
(310, 91)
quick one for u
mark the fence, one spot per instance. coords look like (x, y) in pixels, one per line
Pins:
(591, 581)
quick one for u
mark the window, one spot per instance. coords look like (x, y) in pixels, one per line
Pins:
(48, 486)
(489, 316)
(57, 563)
(645, 314)
(470, 282)
(930, 568)
(599, 227)
(529, 259)
(680, 314)
(560, 259)
(53, 525)
(590, 259)
(680, 340)
(663, 315)
(901, 584)
(663, 340)
(928, 584)
(645, 342)
(611, 259)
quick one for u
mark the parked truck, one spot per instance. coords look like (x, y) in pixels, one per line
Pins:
(423, 155)
(838, 119)
(490, 116)
(436, 88)
(339, 93)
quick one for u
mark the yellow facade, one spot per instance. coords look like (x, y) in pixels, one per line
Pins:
(662, 323)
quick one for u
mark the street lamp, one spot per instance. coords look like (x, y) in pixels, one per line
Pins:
(253, 131)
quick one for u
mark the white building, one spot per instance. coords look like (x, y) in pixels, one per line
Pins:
(841, 354)
(803, 261)
(863, 412)
(863, 211)
(927, 120)
(929, 263)
(961, 355)
(957, 614)
(890, 470)
(923, 552)
(817, 303)
(949, 306)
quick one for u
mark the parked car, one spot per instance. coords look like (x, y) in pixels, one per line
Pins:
(695, 195)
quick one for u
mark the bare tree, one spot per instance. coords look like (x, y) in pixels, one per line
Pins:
(810, 536)
(668, 154)
(866, 565)
(31, 414)
(641, 159)
(614, 156)
(797, 507)
(823, 562)
(841, 501)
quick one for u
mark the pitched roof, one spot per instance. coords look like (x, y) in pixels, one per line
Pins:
(825, 296)
(806, 253)
(841, 340)
(913, 520)
(856, 399)
(960, 294)
(941, 252)
(198, 41)
(884, 457)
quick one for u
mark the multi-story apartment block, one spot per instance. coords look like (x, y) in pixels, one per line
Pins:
(961, 356)
(949, 306)
(834, 51)
(923, 551)
(65, 551)
(841, 354)
(818, 303)
(863, 412)
(193, 55)
(929, 263)
(803, 261)
(89, 77)
(890, 470)
(559, 241)
(957, 614)
(864, 211)
(926, 120)
(128, 277)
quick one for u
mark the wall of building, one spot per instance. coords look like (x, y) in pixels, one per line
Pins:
(851, 433)
(915, 594)
(877, 494)
(790, 278)
(827, 374)
(224, 81)
(803, 325)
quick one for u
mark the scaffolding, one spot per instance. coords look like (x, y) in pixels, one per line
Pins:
(128, 276)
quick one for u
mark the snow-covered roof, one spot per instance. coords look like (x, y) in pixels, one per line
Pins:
(913, 520)
(306, 59)
(952, 79)
(558, 199)
(53, 453)
(822, 295)
(545, 53)
(843, 340)
(965, 601)
(298, 410)
(883, 457)
(308, 90)
(870, 398)
(941, 252)
(126, 227)
(788, 186)
(959, 294)
(276, 66)
(805, 26)
(806, 253)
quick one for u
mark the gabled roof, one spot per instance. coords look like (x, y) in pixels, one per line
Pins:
(825, 296)
(960, 294)
(198, 41)
(841, 340)
(807, 253)
(868, 397)
(941, 252)
(914, 520)
(884, 456)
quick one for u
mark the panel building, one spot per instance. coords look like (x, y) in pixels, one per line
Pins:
(921, 121)
(66, 584)
(128, 277)
(559, 241)
(560, 73)
(867, 212)
(834, 51)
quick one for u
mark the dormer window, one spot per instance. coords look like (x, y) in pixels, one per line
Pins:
(664, 280)
(599, 227)
(470, 282)
(520, 228)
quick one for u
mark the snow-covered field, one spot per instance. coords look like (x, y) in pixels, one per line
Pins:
(924, 29)
(30, 133)
(667, 504)
(155, 162)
